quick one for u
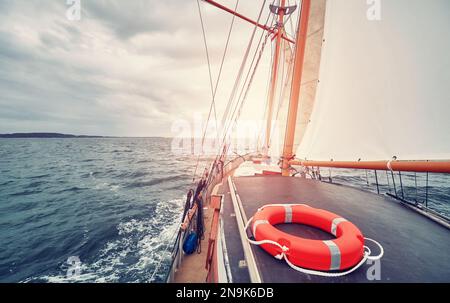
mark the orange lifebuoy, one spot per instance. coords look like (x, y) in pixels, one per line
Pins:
(344, 252)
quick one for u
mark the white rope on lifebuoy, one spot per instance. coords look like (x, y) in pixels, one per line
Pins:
(326, 274)
(380, 255)
(284, 250)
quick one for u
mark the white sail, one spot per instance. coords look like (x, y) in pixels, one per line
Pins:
(384, 82)
(311, 67)
(309, 83)
(280, 111)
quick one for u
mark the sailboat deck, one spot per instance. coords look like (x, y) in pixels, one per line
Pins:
(416, 248)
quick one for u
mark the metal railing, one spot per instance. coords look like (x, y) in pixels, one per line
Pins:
(177, 253)
(412, 188)
(216, 176)
(424, 191)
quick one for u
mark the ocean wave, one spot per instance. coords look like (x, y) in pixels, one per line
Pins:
(117, 214)
(142, 244)
(71, 190)
(133, 174)
(117, 151)
(156, 181)
(89, 160)
(35, 184)
(144, 161)
(6, 183)
(25, 193)
(39, 176)
(98, 185)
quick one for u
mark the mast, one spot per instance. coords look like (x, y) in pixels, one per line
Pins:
(262, 26)
(280, 25)
(296, 84)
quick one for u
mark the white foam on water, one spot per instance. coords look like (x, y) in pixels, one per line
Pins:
(146, 241)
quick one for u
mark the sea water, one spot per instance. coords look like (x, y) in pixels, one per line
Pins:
(108, 209)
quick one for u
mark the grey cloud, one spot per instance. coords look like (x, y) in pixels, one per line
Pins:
(10, 50)
(139, 17)
(132, 62)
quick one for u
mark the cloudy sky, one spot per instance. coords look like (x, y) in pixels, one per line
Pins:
(136, 68)
(127, 68)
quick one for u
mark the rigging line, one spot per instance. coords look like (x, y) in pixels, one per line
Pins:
(214, 91)
(223, 60)
(266, 111)
(289, 16)
(226, 48)
(253, 74)
(285, 87)
(266, 105)
(233, 116)
(257, 51)
(291, 23)
(235, 88)
(222, 150)
(251, 64)
(221, 147)
(213, 103)
(281, 93)
(285, 72)
(240, 72)
(237, 81)
(249, 84)
(289, 19)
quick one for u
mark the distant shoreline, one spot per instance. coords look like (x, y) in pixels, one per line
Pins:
(61, 136)
(43, 135)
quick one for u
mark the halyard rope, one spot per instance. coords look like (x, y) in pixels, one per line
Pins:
(214, 91)
(240, 101)
(213, 103)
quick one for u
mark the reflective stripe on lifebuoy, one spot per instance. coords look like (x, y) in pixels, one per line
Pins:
(338, 254)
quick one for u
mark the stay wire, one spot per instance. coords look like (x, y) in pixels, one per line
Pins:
(213, 88)
(237, 81)
(250, 75)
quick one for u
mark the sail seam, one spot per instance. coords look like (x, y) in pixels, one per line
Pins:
(315, 32)
(313, 80)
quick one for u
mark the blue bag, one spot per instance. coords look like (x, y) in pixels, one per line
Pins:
(190, 244)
